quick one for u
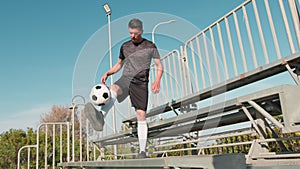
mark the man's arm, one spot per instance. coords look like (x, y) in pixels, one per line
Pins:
(112, 71)
(159, 71)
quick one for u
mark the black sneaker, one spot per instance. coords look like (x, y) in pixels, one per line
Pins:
(141, 155)
(94, 116)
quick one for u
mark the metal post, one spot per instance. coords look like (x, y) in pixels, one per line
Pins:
(37, 147)
(295, 17)
(53, 146)
(87, 141)
(19, 154)
(231, 47)
(73, 133)
(111, 80)
(212, 38)
(250, 37)
(68, 141)
(272, 29)
(246, 111)
(261, 35)
(201, 63)
(265, 114)
(46, 145)
(292, 73)
(194, 65)
(28, 158)
(207, 55)
(80, 135)
(60, 144)
(238, 32)
(223, 51)
(171, 81)
(287, 28)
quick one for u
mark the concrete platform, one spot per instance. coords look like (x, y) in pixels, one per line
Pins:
(228, 161)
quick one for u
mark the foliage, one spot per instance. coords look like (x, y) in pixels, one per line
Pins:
(10, 143)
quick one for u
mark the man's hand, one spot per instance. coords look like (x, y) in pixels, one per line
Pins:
(155, 86)
(103, 78)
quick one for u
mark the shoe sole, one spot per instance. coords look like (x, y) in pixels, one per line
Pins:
(94, 116)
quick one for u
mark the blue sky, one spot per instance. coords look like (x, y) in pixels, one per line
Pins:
(40, 41)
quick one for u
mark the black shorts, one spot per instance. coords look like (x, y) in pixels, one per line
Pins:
(138, 93)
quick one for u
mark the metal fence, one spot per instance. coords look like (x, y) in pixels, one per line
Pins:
(242, 40)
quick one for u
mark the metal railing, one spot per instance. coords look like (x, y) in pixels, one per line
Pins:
(173, 78)
(241, 41)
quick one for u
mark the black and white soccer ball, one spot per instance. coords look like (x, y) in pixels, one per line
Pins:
(100, 95)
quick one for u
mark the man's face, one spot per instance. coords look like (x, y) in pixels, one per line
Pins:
(135, 34)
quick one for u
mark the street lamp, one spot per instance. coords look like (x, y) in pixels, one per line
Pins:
(160, 23)
(108, 13)
(107, 9)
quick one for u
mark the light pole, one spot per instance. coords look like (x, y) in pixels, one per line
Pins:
(108, 13)
(160, 23)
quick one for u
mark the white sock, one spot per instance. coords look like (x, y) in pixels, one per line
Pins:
(105, 109)
(142, 134)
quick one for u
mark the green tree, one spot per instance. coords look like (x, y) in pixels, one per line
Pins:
(10, 143)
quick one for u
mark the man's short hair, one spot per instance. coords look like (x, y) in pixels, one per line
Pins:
(135, 23)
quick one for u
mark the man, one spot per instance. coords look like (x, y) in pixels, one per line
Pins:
(135, 56)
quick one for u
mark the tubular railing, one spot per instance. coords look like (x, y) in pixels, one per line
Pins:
(52, 133)
(241, 41)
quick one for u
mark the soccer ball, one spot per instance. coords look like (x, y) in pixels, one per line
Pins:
(100, 95)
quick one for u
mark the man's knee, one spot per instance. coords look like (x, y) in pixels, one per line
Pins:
(140, 115)
(116, 89)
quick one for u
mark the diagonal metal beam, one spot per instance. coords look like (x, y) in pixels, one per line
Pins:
(265, 114)
(246, 111)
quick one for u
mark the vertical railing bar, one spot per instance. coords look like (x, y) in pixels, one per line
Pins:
(295, 17)
(223, 51)
(179, 61)
(261, 35)
(46, 146)
(194, 65)
(166, 80)
(286, 25)
(207, 59)
(215, 54)
(68, 141)
(94, 147)
(53, 147)
(60, 143)
(238, 33)
(250, 37)
(87, 141)
(201, 63)
(80, 135)
(189, 86)
(73, 134)
(231, 47)
(28, 158)
(170, 75)
(219, 20)
(37, 147)
(272, 29)
(184, 81)
(175, 73)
